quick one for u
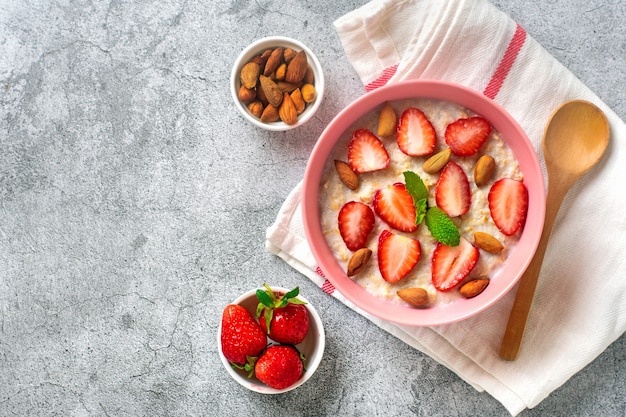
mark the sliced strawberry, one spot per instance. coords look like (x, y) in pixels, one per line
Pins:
(356, 221)
(416, 135)
(466, 136)
(508, 203)
(366, 153)
(395, 206)
(452, 192)
(397, 255)
(452, 264)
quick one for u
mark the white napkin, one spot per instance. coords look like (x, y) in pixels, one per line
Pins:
(580, 303)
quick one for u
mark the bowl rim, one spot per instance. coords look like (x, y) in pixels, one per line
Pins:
(260, 45)
(312, 363)
(524, 152)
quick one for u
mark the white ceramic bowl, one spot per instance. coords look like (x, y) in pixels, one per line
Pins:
(312, 347)
(257, 48)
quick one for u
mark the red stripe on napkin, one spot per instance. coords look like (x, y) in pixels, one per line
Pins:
(516, 43)
(319, 272)
(383, 79)
(496, 81)
(328, 288)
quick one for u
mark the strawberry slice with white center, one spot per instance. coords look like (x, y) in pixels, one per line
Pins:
(466, 136)
(356, 221)
(366, 153)
(508, 204)
(452, 192)
(397, 255)
(415, 134)
(452, 264)
(395, 206)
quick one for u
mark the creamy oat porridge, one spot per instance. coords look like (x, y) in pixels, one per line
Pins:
(334, 195)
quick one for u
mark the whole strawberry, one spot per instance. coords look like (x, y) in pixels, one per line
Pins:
(242, 337)
(279, 366)
(284, 318)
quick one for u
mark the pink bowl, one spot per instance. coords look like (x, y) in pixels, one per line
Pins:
(519, 257)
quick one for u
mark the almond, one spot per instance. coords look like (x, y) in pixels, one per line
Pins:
(296, 69)
(436, 162)
(258, 59)
(260, 95)
(309, 77)
(417, 297)
(308, 93)
(358, 261)
(347, 175)
(487, 242)
(279, 74)
(287, 110)
(265, 56)
(288, 54)
(286, 87)
(270, 114)
(483, 169)
(474, 287)
(246, 95)
(256, 108)
(387, 120)
(274, 60)
(296, 96)
(249, 74)
(271, 91)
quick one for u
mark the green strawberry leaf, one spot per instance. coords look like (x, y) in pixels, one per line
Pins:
(293, 293)
(442, 228)
(270, 292)
(259, 309)
(290, 298)
(264, 298)
(303, 359)
(268, 316)
(248, 366)
(296, 301)
(268, 301)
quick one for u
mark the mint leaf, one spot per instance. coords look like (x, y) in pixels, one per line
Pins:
(420, 210)
(442, 227)
(417, 189)
(415, 186)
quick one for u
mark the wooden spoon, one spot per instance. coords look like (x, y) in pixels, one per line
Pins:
(574, 141)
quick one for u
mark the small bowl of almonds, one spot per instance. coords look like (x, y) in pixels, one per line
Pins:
(277, 83)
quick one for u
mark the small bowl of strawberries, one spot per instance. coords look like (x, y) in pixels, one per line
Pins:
(271, 340)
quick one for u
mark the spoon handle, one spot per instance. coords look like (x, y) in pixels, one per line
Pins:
(511, 342)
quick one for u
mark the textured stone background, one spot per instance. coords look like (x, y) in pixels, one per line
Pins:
(134, 202)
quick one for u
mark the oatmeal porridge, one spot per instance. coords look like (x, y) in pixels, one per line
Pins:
(478, 217)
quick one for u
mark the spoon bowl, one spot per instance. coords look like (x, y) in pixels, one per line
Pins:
(575, 139)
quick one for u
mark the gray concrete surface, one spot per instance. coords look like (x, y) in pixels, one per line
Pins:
(134, 201)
